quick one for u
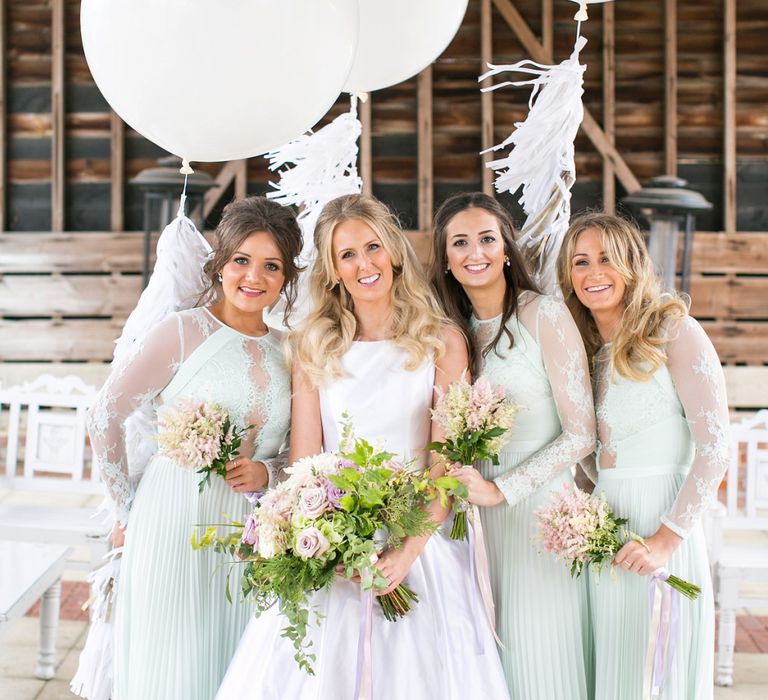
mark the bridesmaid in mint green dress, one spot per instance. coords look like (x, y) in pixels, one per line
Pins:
(661, 455)
(528, 343)
(174, 631)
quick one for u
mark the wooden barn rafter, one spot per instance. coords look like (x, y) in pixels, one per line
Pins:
(672, 87)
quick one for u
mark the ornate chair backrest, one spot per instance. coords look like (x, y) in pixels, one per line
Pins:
(53, 435)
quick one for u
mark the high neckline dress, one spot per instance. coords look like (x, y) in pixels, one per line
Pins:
(175, 631)
(542, 614)
(662, 453)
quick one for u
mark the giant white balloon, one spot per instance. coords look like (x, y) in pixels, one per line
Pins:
(399, 38)
(209, 80)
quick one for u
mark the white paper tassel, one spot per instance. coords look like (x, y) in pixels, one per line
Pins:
(93, 679)
(542, 158)
(324, 167)
(177, 283)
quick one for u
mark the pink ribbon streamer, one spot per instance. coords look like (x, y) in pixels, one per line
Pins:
(364, 677)
(480, 569)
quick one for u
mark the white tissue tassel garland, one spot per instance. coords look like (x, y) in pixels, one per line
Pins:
(542, 157)
(324, 167)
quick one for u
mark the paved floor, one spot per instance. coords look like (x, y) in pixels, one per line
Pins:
(18, 648)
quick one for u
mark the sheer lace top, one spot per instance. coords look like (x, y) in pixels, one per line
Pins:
(678, 417)
(191, 354)
(546, 374)
(385, 403)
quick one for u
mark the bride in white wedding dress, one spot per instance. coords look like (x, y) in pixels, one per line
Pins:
(375, 349)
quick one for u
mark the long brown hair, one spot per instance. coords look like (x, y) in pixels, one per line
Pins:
(638, 348)
(239, 220)
(450, 292)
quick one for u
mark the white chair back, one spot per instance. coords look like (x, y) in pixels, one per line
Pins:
(54, 434)
(749, 447)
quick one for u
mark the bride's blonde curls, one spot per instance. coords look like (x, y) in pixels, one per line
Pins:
(329, 330)
(638, 348)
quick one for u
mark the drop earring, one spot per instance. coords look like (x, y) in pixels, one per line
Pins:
(447, 270)
(218, 277)
(507, 261)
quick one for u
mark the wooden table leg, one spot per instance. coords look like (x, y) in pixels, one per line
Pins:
(49, 622)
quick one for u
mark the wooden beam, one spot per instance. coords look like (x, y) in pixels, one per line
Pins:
(425, 157)
(3, 120)
(729, 116)
(547, 26)
(241, 179)
(670, 87)
(366, 147)
(609, 104)
(58, 30)
(117, 172)
(486, 98)
(589, 125)
(224, 179)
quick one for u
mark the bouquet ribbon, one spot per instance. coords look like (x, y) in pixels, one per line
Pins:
(478, 562)
(364, 676)
(663, 604)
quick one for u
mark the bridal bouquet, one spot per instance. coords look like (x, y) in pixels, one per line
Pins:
(334, 514)
(581, 528)
(474, 418)
(199, 435)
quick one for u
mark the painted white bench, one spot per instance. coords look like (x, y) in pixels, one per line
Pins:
(31, 570)
(50, 413)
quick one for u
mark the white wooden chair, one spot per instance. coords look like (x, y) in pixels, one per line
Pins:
(735, 564)
(54, 460)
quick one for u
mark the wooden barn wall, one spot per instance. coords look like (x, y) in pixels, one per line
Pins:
(70, 250)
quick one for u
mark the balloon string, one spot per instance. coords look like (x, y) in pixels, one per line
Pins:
(183, 198)
(353, 104)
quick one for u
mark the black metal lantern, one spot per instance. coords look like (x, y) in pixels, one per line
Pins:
(162, 187)
(666, 204)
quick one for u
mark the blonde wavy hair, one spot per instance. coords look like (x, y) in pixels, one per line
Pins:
(638, 348)
(328, 331)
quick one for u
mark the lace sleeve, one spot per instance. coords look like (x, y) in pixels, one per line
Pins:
(135, 381)
(700, 383)
(565, 362)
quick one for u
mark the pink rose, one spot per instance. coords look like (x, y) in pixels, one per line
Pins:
(310, 542)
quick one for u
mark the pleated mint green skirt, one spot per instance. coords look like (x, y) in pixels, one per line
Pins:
(175, 630)
(620, 608)
(542, 614)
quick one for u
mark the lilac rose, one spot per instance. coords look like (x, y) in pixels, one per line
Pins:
(310, 542)
(313, 501)
(334, 494)
(251, 532)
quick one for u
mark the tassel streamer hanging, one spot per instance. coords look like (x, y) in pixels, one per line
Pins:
(324, 166)
(93, 679)
(542, 157)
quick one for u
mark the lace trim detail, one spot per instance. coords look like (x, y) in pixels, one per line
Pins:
(202, 319)
(568, 447)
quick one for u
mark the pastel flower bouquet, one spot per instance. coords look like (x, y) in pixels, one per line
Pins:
(582, 529)
(199, 435)
(474, 418)
(334, 510)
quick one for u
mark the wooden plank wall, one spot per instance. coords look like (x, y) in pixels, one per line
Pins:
(692, 104)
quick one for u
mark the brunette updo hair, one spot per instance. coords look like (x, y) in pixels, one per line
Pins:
(239, 220)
